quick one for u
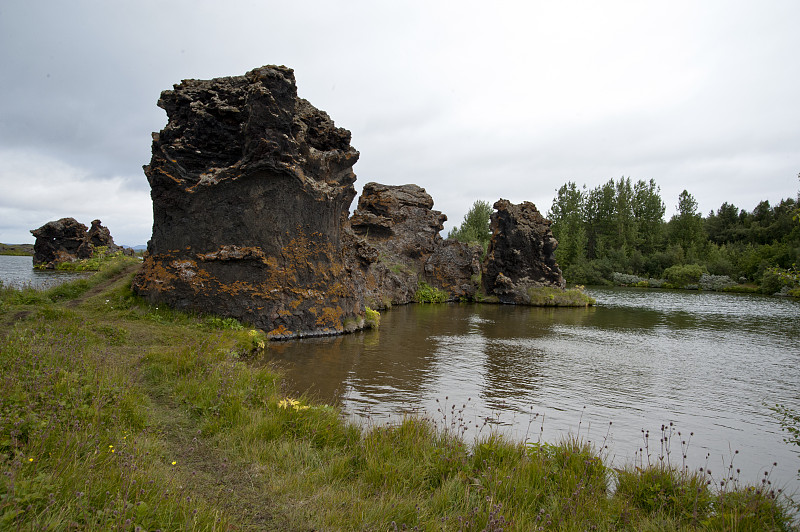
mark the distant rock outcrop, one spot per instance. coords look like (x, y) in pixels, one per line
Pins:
(251, 187)
(521, 253)
(400, 246)
(67, 240)
(99, 236)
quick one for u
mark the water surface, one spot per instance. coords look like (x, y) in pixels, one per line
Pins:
(18, 271)
(709, 363)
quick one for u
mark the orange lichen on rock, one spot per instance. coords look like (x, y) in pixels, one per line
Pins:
(279, 332)
(331, 317)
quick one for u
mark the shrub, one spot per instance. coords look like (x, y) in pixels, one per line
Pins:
(547, 296)
(715, 282)
(586, 273)
(625, 279)
(429, 294)
(780, 281)
(680, 276)
(373, 318)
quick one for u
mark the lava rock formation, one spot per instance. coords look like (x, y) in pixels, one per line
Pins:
(251, 187)
(401, 231)
(67, 240)
(521, 253)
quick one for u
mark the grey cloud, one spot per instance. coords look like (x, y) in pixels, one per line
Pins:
(508, 100)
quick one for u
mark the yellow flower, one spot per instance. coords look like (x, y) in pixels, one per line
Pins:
(286, 403)
(30, 459)
(174, 462)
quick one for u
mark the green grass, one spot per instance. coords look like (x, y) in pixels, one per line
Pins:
(116, 414)
(429, 294)
(99, 259)
(16, 249)
(546, 296)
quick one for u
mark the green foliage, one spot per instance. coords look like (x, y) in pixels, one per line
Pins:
(648, 210)
(429, 294)
(680, 276)
(619, 227)
(215, 322)
(780, 280)
(547, 296)
(475, 227)
(686, 227)
(373, 318)
(661, 489)
(605, 229)
(568, 227)
(100, 257)
(790, 423)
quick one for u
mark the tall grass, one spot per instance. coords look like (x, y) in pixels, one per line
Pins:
(547, 296)
(116, 415)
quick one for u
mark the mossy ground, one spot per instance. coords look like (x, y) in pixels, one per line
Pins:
(116, 414)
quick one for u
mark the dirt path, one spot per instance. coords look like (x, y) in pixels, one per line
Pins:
(98, 289)
(239, 490)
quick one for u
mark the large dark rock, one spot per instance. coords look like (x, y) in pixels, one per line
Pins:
(521, 253)
(60, 241)
(67, 240)
(251, 187)
(399, 246)
(99, 236)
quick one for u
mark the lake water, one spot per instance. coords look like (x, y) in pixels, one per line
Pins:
(710, 363)
(18, 272)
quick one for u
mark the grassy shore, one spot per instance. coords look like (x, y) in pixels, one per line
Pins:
(16, 249)
(116, 414)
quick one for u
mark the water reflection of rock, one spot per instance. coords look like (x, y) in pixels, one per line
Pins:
(373, 367)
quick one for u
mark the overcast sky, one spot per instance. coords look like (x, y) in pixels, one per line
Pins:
(470, 100)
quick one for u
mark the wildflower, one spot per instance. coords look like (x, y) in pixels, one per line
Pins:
(30, 459)
(293, 403)
(174, 462)
(257, 342)
(286, 403)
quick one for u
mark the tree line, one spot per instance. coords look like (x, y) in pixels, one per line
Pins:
(619, 227)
